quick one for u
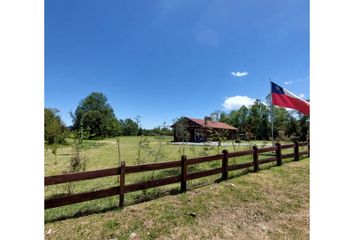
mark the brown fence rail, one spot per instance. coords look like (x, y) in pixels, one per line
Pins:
(72, 177)
(182, 178)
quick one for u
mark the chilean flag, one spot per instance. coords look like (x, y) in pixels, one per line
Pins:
(283, 98)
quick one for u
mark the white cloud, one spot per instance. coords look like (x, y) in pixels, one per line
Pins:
(239, 74)
(288, 82)
(235, 102)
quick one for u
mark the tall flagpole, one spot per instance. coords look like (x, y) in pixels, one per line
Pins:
(271, 111)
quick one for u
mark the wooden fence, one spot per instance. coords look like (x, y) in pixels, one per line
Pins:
(182, 178)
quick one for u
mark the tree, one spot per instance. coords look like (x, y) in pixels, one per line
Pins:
(224, 117)
(293, 128)
(258, 120)
(96, 117)
(254, 122)
(129, 127)
(239, 119)
(215, 116)
(304, 123)
(54, 129)
(281, 121)
(165, 130)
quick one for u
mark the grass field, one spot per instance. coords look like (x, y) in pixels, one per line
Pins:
(270, 204)
(104, 154)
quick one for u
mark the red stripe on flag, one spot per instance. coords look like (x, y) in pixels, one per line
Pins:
(283, 100)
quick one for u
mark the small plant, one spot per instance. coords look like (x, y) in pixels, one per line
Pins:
(144, 178)
(69, 188)
(46, 147)
(250, 145)
(263, 144)
(54, 151)
(158, 155)
(118, 150)
(220, 136)
(77, 160)
(219, 145)
(143, 144)
(249, 135)
(294, 137)
(182, 149)
(77, 163)
(235, 148)
(80, 135)
(205, 149)
(192, 151)
(282, 137)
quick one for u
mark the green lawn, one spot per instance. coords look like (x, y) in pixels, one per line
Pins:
(102, 154)
(270, 204)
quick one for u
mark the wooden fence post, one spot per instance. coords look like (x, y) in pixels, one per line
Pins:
(296, 151)
(183, 173)
(225, 159)
(308, 147)
(278, 154)
(255, 159)
(122, 184)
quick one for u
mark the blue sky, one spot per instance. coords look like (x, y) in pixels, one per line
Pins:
(164, 59)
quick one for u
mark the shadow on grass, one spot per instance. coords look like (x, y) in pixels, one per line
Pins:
(267, 154)
(83, 213)
(155, 193)
(148, 196)
(64, 154)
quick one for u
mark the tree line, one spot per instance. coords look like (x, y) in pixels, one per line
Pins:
(254, 122)
(94, 118)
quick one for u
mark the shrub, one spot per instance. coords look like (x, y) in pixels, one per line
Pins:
(77, 163)
(54, 129)
(294, 137)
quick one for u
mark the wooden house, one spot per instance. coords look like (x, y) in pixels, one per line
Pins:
(200, 130)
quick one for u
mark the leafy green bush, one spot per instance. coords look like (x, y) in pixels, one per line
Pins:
(54, 129)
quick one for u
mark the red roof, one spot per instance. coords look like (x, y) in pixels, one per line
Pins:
(212, 124)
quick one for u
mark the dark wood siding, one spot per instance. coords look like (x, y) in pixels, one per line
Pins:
(191, 129)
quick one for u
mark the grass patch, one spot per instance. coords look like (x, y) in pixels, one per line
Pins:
(103, 154)
(270, 204)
